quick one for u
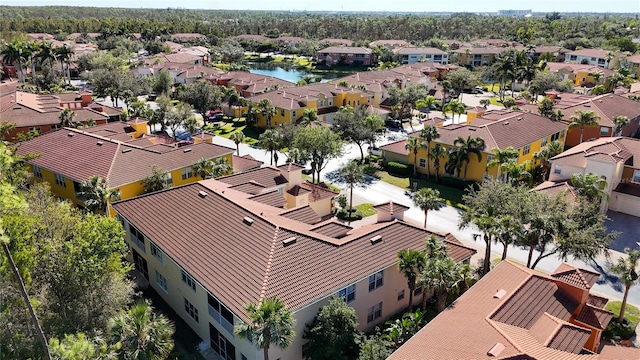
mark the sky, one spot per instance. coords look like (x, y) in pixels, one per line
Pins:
(628, 6)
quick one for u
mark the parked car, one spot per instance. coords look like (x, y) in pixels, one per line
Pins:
(393, 124)
(376, 151)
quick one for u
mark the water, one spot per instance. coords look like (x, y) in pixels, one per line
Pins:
(292, 75)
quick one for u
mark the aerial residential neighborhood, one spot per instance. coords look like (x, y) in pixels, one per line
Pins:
(290, 181)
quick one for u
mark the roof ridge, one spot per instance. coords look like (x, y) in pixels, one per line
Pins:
(267, 272)
(113, 161)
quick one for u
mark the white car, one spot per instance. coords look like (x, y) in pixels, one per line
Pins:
(376, 151)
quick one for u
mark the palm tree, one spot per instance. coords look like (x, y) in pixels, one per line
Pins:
(32, 50)
(428, 134)
(203, 168)
(427, 199)
(438, 152)
(271, 141)
(354, 173)
(271, 323)
(156, 181)
(620, 121)
(628, 268)
(427, 103)
(142, 334)
(267, 110)
(466, 148)
(411, 262)
(16, 53)
(441, 274)
(96, 194)
(590, 186)
(501, 157)
(309, 116)
(505, 66)
(456, 107)
(221, 167)
(414, 144)
(66, 118)
(583, 119)
(596, 75)
(251, 115)
(547, 152)
(237, 137)
(46, 55)
(516, 172)
(63, 54)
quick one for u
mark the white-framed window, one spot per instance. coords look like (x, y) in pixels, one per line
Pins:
(604, 131)
(544, 141)
(526, 149)
(168, 179)
(137, 238)
(375, 281)
(555, 136)
(188, 279)
(636, 177)
(60, 181)
(187, 173)
(293, 114)
(374, 312)
(557, 169)
(400, 294)
(348, 294)
(161, 281)
(37, 171)
(191, 310)
(156, 252)
(422, 163)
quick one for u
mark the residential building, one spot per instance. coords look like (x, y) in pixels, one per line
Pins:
(335, 42)
(390, 43)
(188, 37)
(180, 73)
(596, 57)
(517, 313)
(525, 13)
(478, 56)
(347, 55)
(615, 159)
(221, 247)
(634, 64)
(557, 52)
(525, 132)
(248, 84)
(121, 153)
(580, 74)
(412, 55)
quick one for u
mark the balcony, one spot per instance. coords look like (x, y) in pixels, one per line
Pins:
(221, 320)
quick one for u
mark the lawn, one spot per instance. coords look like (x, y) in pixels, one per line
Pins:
(631, 312)
(251, 134)
(452, 196)
(366, 209)
(494, 101)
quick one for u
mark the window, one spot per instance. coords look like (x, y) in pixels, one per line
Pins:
(161, 281)
(191, 310)
(604, 131)
(526, 149)
(375, 281)
(555, 136)
(417, 291)
(281, 112)
(187, 173)
(636, 177)
(400, 294)
(220, 314)
(187, 279)
(60, 181)
(557, 169)
(168, 179)
(562, 134)
(293, 114)
(574, 57)
(490, 158)
(156, 252)
(137, 238)
(544, 141)
(422, 163)
(348, 294)
(221, 345)
(37, 171)
(374, 312)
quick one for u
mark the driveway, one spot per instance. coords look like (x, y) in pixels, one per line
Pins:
(629, 228)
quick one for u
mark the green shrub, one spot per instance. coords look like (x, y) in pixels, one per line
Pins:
(343, 214)
(398, 168)
(624, 330)
(457, 183)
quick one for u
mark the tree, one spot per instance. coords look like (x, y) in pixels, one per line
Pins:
(357, 125)
(628, 268)
(583, 119)
(320, 143)
(271, 141)
(426, 103)
(221, 167)
(461, 79)
(333, 333)
(440, 272)
(238, 138)
(354, 173)
(176, 117)
(406, 98)
(64, 54)
(309, 116)
(620, 121)
(413, 145)
(427, 199)
(162, 82)
(411, 262)
(466, 147)
(203, 96)
(590, 186)
(251, 115)
(373, 348)
(455, 107)
(267, 110)
(142, 334)
(437, 153)
(429, 134)
(156, 181)
(80, 347)
(546, 108)
(203, 168)
(501, 157)
(17, 53)
(547, 152)
(191, 124)
(271, 323)
(97, 195)
(66, 118)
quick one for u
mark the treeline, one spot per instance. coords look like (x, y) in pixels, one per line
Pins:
(218, 24)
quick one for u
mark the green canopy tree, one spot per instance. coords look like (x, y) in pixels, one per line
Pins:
(333, 333)
(427, 199)
(353, 172)
(628, 268)
(357, 125)
(590, 186)
(411, 262)
(547, 152)
(320, 143)
(203, 96)
(156, 181)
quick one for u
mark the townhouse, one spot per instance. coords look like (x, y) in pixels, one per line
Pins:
(634, 64)
(516, 313)
(326, 99)
(335, 42)
(345, 55)
(121, 153)
(181, 73)
(595, 57)
(580, 74)
(223, 246)
(412, 55)
(478, 56)
(525, 132)
(390, 43)
(615, 159)
(248, 84)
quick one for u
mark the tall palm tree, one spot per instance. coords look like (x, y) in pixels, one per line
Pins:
(628, 268)
(437, 153)
(620, 121)
(309, 116)
(515, 171)
(66, 118)
(411, 262)
(414, 144)
(271, 141)
(427, 199)
(46, 55)
(142, 334)
(466, 147)
(440, 273)
(266, 110)
(354, 173)
(16, 53)
(97, 195)
(429, 134)
(590, 186)
(505, 66)
(203, 168)
(237, 137)
(456, 107)
(63, 54)
(501, 157)
(547, 152)
(221, 167)
(33, 48)
(583, 119)
(271, 323)
(251, 114)
(426, 103)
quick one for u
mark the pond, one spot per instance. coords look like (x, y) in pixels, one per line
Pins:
(289, 73)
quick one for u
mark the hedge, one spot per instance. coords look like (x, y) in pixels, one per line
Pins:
(398, 168)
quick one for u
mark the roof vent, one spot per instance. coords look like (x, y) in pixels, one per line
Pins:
(376, 239)
(247, 220)
(472, 129)
(519, 118)
(505, 123)
(202, 194)
(124, 151)
(99, 143)
(289, 241)
(70, 134)
(587, 105)
(499, 294)
(496, 349)
(186, 150)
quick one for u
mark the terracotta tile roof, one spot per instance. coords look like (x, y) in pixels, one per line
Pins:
(574, 68)
(340, 42)
(418, 50)
(249, 188)
(245, 163)
(272, 198)
(570, 338)
(298, 190)
(345, 50)
(290, 167)
(480, 50)
(303, 214)
(599, 53)
(398, 147)
(594, 316)
(253, 83)
(391, 207)
(318, 191)
(613, 352)
(267, 177)
(560, 188)
(389, 43)
(635, 59)
(259, 38)
(597, 301)
(332, 228)
(457, 251)
(612, 149)
(575, 276)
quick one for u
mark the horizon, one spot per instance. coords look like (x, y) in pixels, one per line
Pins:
(398, 6)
